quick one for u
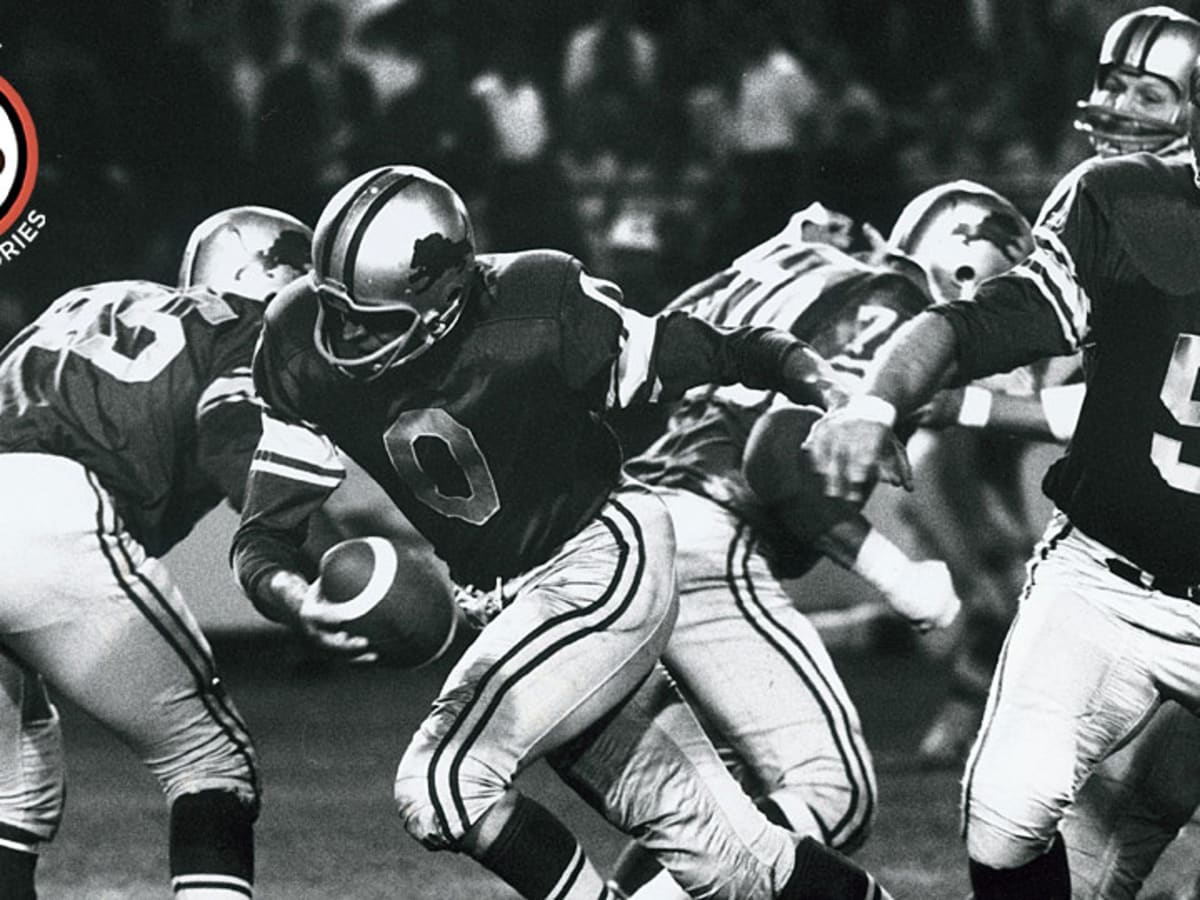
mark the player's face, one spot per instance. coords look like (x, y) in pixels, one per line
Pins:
(368, 332)
(1142, 94)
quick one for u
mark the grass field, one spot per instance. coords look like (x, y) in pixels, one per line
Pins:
(330, 737)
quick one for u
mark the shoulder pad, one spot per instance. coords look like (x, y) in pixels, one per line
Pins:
(528, 281)
(1154, 208)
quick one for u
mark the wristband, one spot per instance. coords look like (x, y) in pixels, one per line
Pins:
(1061, 405)
(870, 408)
(976, 406)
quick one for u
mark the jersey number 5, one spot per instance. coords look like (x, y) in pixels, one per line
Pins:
(1178, 395)
(440, 461)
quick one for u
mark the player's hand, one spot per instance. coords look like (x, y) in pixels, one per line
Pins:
(877, 245)
(926, 596)
(323, 625)
(942, 411)
(826, 226)
(851, 453)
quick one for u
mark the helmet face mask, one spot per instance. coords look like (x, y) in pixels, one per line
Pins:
(959, 234)
(251, 251)
(370, 340)
(1139, 98)
(394, 252)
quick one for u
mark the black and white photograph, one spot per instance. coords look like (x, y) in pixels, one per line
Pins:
(599, 450)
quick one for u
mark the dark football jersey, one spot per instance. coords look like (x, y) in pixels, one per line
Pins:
(149, 388)
(492, 442)
(843, 308)
(1114, 272)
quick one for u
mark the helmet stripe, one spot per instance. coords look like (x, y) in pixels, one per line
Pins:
(1120, 49)
(323, 252)
(1136, 41)
(1155, 28)
(360, 229)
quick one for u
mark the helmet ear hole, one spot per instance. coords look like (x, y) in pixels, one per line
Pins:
(960, 233)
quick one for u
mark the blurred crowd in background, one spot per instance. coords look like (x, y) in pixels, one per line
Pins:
(655, 140)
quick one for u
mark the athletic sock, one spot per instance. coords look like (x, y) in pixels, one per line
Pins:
(16, 874)
(824, 874)
(212, 847)
(1046, 878)
(537, 856)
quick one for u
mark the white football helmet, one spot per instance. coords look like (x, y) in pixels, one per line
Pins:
(251, 251)
(393, 252)
(1157, 41)
(960, 233)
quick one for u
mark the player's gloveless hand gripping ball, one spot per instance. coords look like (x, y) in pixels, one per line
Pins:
(397, 597)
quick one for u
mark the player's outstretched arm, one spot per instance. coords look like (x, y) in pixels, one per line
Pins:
(853, 446)
(1048, 416)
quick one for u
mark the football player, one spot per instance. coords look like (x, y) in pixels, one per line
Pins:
(474, 389)
(1138, 104)
(1137, 801)
(1107, 625)
(126, 413)
(747, 659)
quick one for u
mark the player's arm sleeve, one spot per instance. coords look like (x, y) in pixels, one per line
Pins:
(293, 470)
(228, 426)
(1008, 324)
(631, 359)
(681, 351)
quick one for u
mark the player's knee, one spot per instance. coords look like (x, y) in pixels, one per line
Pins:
(999, 841)
(34, 803)
(438, 804)
(230, 767)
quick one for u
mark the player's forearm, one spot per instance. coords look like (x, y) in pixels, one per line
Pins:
(266, 563)
(693, 352)
(914, 364)
(810, 379)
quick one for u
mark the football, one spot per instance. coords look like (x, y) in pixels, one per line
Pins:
(398, 597)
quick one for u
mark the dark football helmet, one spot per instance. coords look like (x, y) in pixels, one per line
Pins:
(960, 233)
(393, 253)
(1157, 41)
(252, 251)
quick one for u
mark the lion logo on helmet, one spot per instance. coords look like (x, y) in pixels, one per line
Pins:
(433, 256)
(1000, 230)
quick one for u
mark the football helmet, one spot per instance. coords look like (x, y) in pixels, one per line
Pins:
(1155, 41)
(251, 251)
(960, 233)
(393, 253)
